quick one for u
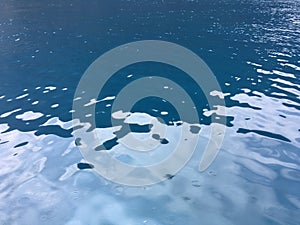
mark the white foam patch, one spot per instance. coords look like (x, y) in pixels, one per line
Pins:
(54, 106)
(50, 88)
(279, 94)
(290, 65)
(120, 115)
(91, 102)
(4, 115)
(108, 98)
(284, 74)
(254, 64)
(220, 110)
(22, 96)
(281, 54)
(291, 90)
(30, 115)
(279, 80)
(220, 94)
(77, 98)
(264, 71)
(139, 118)
(246, 90)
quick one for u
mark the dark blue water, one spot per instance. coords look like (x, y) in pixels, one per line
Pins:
(253, 48)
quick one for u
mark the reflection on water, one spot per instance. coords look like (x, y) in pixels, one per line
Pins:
(253, 49)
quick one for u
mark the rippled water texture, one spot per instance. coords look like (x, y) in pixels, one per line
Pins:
(253, 48)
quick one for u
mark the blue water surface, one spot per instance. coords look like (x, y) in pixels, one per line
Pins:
(252, 47)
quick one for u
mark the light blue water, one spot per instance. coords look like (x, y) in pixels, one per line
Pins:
(251, 46)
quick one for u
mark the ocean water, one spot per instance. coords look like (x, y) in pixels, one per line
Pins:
(252, 47)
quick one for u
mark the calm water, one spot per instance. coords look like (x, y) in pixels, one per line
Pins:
(253, 48)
